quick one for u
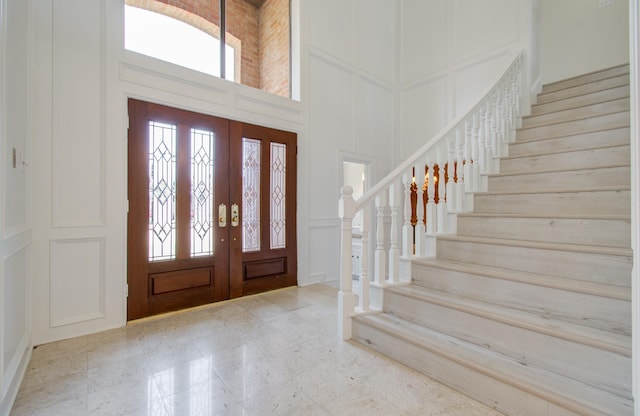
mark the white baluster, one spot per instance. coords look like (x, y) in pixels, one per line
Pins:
(380, 255)
(394, 235)
(346, 297)
(470, 151)
(420, 227)
(407, 228)
(364, 259)
(461, 140)
(451, 170)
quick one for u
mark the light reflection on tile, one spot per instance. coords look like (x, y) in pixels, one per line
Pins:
(273, 354)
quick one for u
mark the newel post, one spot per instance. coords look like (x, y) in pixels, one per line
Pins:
(346, 298)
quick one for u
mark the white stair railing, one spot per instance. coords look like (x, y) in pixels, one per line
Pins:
(404, 212)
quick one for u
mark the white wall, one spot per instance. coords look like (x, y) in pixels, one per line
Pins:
(82, 78)
(15, 229)
(578, 37)
(451, 51)
(351, 71)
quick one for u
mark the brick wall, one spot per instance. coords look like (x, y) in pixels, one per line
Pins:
(274, 47)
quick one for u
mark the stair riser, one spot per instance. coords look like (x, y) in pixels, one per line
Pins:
(613, 137)
(585, 79)
(598, 312)
(569, 203)
(599, 232)
(579, 180)
(599, 123)
(599, 268)
(579, 113)
(499, 395)
(582, 100)
(584, 89)
(606, 370)
(583, 159)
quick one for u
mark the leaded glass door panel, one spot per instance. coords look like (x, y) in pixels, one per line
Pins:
(211, 209)
(263, 247)
(178, 250)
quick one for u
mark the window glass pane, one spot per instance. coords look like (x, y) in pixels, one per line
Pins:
(278, 194)
(202, 192)
(162, 31)
(187, 33)
(162, 191)
(250, 195)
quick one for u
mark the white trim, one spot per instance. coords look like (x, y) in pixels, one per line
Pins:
(634, 70)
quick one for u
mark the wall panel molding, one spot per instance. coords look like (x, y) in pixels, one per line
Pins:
(77, 272)
(78, 132)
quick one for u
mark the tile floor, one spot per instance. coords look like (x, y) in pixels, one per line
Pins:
(273, 354)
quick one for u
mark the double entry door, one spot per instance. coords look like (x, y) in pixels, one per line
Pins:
(211, 209)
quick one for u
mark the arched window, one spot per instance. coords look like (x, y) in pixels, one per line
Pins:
(163, 37)
(256, 35)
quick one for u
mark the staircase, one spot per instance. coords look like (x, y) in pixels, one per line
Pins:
(527, 308)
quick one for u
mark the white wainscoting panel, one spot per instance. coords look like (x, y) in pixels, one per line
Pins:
(471, 80)
(423, 113)
(77, 280)
(374, 123)
(324, 247)
(482, 26)
(77, 156)
(331, 127)
(15, 315)
(375, 37)
(424, 33)
(331, 27)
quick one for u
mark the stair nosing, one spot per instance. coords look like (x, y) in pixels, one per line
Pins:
(551, 327)
(535, 279)
(586, 75)
(558, 191)
(535, 106)
(536, 139)
(521, 381)
(577, 248)
(604, 113)
(566, 151)
(547, 93)
(611, 217)
(504, 175)
(524, 129)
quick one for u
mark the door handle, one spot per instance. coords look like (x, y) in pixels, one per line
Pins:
(235, 215)
(222, 215)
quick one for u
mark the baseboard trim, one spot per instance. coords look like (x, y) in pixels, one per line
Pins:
(14, 385)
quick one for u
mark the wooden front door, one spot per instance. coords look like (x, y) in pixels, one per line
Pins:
(211, 209)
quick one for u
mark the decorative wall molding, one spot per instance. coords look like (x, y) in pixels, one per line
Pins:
(77, 266)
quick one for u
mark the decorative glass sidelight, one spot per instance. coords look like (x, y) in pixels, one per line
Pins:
(202, 192)
(251, 150)
(278, 170)
(162, 191)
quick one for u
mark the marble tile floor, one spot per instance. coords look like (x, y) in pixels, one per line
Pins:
(276, 353)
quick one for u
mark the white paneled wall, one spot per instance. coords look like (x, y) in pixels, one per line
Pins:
(352, 49)
(15, 228)
(451, 51)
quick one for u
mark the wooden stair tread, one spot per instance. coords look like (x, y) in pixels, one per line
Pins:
(587, 78)
(580, 248)
(558, 170)
(560, 216)
(559, 191)
(551, 386)
(616, 343)
(562, 283)
(565, 151)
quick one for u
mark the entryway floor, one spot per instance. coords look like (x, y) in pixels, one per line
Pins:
(276, 353)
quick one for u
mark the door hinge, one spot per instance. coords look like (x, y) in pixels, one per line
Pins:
(127, 206)
(128, 123)
(126, 290)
